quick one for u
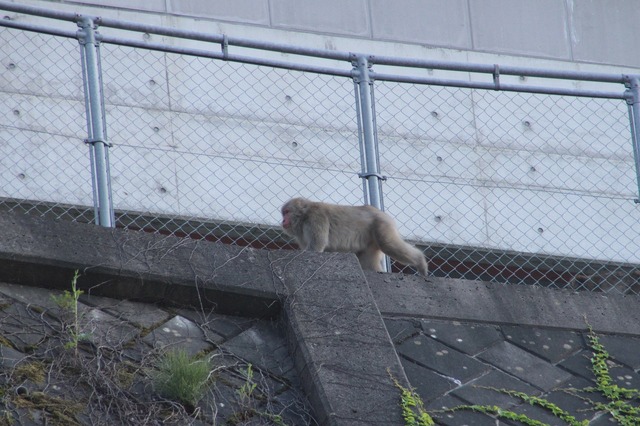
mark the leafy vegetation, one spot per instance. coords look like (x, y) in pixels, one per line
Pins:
(180, 377)
(619, 399)
(68, 301)
(413, 410)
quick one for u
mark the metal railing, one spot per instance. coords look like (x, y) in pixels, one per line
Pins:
(500, 173)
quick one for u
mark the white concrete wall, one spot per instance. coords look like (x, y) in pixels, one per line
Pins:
(591, 31)
(200, 138)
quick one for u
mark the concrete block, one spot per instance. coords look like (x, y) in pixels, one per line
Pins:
(237, 90)
(551, 172)
(144, 179)
(238, 190)
(134, 77)
(545, 416)
(242, 139)
(21, 328)
(605, 31)
(337, 336)
(40, 64)
(551, 124)
(459, 300)
(419, 113)
(60, 117)
(224, 326)
(574, 402)
(476, 392)
(35, 296)
(166, 272)
(521, 27)
(552, 345)
(140, 127)
(459, 220)
(249, 11)
(346, 17)
(457, 418)
(579, 364)
(148, 5)
(467, 338)
(622, 349)
(428, 384)
(32, 170)
(178, 333)
(560, 223)
(625, 377)
(101, 329)
(460, 367)
(401, 329)
(525, 366)
(141, 315)
(430, 22)
(10, 358)
(264, 346)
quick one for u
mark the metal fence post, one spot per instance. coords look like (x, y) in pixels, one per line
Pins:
(369, 153)
(96, 128)
(633, 100)
(368, 146)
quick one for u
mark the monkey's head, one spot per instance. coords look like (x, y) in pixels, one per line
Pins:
(293, 213)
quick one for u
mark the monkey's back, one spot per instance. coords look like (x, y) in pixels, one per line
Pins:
(350, 227)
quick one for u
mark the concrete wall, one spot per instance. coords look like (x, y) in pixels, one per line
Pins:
(592, 31)
(231, 142)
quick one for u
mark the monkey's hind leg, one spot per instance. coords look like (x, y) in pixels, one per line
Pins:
(392, 244)
(370, 259)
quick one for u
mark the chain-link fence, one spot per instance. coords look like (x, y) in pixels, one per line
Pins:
(495, 185)
(226, 144)
(43, 165)
(540, 189)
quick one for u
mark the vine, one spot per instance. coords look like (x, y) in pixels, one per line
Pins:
(413, 410)
(619, 398)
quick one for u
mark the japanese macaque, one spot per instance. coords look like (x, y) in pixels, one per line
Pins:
(363, 230)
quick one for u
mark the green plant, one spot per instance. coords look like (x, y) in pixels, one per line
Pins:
(245, 397)
(413, 410)
(59, 411)
(34, 371)
(618, 406)
(6, 419)
(500, 412)
(540, 402)
(181, 377)
(68, 301)
(619, 398)
(246, 390)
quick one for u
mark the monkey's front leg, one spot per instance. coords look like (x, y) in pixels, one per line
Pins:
(317, 237)
(317, 244)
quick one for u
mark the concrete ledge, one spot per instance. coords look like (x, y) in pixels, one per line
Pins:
(330, 308)
(474, 301)
(342, 342)
(340, 346)
(136, 265)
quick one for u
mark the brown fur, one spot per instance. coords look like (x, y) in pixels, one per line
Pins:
(363, 230)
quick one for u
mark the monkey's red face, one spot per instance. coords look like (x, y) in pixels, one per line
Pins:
(293, 214)
(286, 218)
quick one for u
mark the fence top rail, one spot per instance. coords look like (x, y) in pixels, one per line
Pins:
(499, 87)
(224, 41)
(500, 69)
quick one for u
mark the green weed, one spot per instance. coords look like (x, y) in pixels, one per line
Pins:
(181, 377)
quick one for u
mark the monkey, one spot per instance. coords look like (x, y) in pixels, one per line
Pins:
(364, 230)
